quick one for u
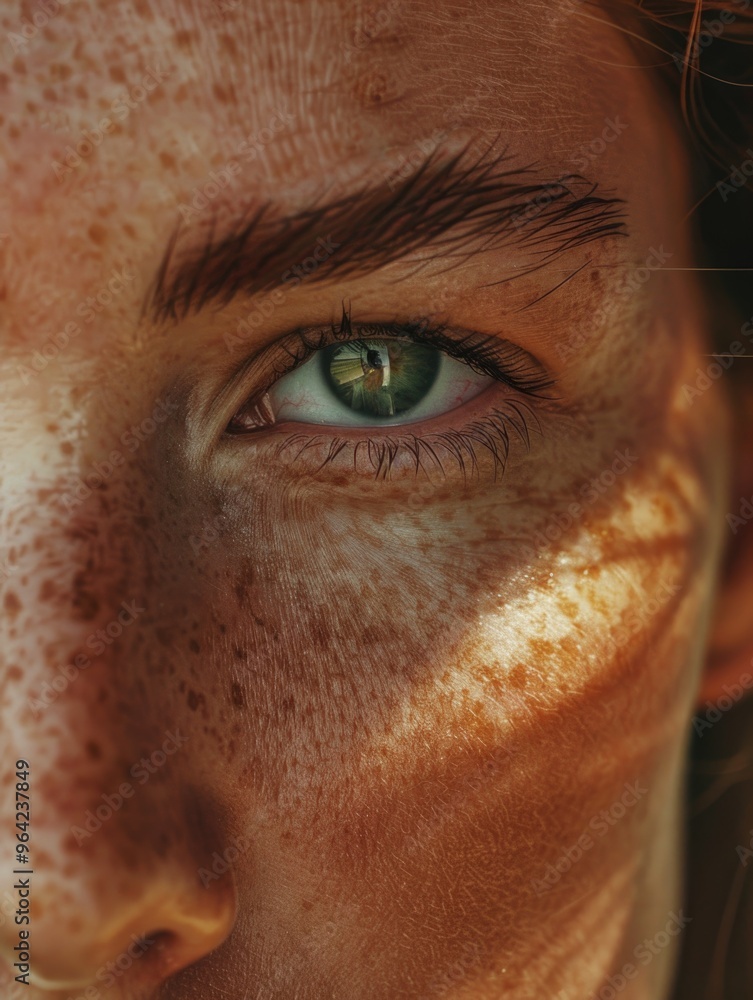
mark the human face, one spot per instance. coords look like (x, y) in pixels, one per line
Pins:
(347, 709)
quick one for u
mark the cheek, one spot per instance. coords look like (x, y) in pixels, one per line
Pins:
(471, 685)
(100, 655)
(391, 690)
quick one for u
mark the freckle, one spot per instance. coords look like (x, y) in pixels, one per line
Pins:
(194, 646)
(12, 604)
(236, 696)
(240, 654)
(117, 74)
(567, 607)
(167, 160)
(129, 230)
(228, 43)
(70, 844)
(184, 39)
(144, 9)
(164, 636)
(518, 677)
(221, 93)
(66, 448)
(14, 673)
(84, 601)
(4, 81)
(47, 591)
(193, 700)
(542, 647)
(19, 66)
(94, 750)
(97, 233)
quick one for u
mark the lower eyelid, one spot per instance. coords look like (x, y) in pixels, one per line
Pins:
(496, 425)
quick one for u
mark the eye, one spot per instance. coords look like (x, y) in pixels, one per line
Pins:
(374, 381)
(375, 375)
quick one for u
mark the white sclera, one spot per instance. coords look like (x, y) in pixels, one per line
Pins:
(303, 396)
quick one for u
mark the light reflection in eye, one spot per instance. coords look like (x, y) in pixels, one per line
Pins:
(381, 378)
(372, 381)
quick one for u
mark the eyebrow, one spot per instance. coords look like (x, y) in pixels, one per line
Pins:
(449, 205)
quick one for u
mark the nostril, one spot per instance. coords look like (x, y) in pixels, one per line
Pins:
(138, 930)
(151, 958)
(142, 956)
(158, 952)
(161, 953)
(166, 953)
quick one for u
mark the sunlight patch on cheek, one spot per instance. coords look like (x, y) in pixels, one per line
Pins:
(552, 631)
(594, 612)
(598, 596)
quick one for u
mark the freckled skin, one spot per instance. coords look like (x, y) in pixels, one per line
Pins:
(401, 695)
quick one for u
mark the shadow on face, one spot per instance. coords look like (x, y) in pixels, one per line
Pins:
(320, 701)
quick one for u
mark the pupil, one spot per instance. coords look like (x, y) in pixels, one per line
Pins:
(380, 378)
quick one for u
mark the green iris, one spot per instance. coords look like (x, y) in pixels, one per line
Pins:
(380, 378)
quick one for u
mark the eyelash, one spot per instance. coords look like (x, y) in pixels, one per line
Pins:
(501, 360)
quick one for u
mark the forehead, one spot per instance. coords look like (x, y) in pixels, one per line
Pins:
(117, 117)
(348, 79)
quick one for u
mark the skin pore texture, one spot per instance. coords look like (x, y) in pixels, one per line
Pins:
(398, 697)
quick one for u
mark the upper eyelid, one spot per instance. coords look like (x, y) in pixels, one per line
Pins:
(489, 354)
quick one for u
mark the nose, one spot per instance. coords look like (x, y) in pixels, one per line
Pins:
(122, 819)
(109, 871)
(140, 933)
